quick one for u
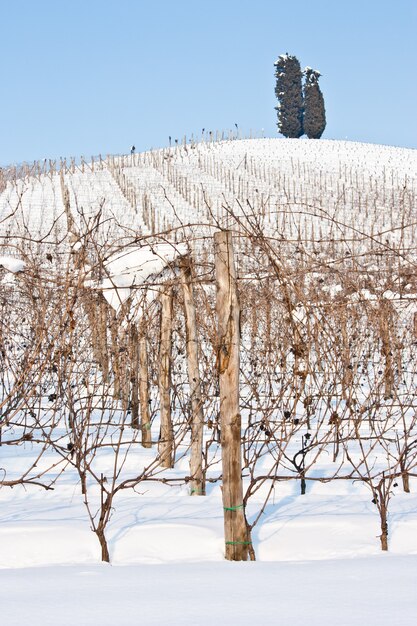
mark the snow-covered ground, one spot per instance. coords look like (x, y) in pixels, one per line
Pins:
(378, 592)
(161, 524)
(319, 559)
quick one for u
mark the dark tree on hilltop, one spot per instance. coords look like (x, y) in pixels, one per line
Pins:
(289, 92)
(314, 111)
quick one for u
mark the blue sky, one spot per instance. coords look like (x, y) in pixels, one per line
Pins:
(83, 77)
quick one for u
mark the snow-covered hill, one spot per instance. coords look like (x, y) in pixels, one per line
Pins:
(298, 189)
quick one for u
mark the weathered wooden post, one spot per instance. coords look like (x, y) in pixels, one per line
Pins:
(228, 340)
(197, 486)
(134, 375)
(165, 445)
(96, 308)
(102, 330)
(387, 348)
(114, 334)
(145, 418)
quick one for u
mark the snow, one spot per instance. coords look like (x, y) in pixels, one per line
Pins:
(160, 524)
(319, 560)
(362, 294)
(77, 246)
(133, 266)
(378, 592)
(359, 185)
(11, 264)
(299, 314)
(8, 279)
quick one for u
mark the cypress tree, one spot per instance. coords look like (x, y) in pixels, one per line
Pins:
(314, 111)
(289, 92)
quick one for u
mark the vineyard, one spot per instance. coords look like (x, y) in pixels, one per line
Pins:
(213, 333)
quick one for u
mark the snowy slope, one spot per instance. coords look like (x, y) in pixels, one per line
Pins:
(295, 185)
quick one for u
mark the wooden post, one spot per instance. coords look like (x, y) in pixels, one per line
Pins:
(165, 445)
(114, 334)
(67, 205)
(134, 375)
(95, 306)
(102, 330)
(197, 486)
(387, 348)
(228, 339)
(124, 369)
(145, 418)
